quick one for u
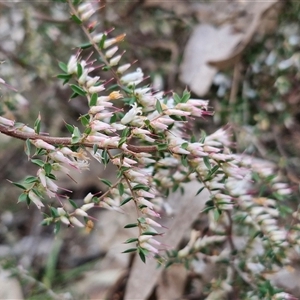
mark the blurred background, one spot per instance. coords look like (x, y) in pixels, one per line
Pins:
(242, 56)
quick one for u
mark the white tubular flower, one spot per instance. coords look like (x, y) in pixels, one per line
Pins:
(6, 122)
(114, 40)
(143, 201)
(131, 114)
(84, 7)
(35, 199)
(111, 52)
(42, 176)
(72, 65)
(87, 206)
(145, 194)
(26, 129)
(148, 211)
(80, 212)
(97, 38)
(76, 222)
(88, 198)
(61, 211)
(132, 77)
(92, 81)
(123, 68)
(179, 150)
(88, 13)
(83, 78)
(51, 185)
(149, 247)
(96, 89)
(115, 60)
(96, 109)
(152, 223)
(42, 144)
(65, 220)
(97, 125)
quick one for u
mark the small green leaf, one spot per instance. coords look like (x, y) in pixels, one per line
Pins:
(176, 98)
(101, 43)
(64, 76)
(19, 185)
(76, 136)
(131, 240)
(106, 182)
(72, 202)
(186, 96)
(142, 254)
(207, 162)
(149, 233)
(23, 198)
(95, 148)
(78, 90)
(200, 190)
(37, 125)
(47, 168)
(85, 120)
(93, 100)
(121, 188)
(27, 147)
(85, 46)
(130, 250)
(141, 187)
(69, 127)
(57, 227)
(76, 19)
(132, 225)
(54, 212)
(158, 107)
(63, 67)
(122, 141)
(30, 179)
(74, 95)
(38, 162)
(125, 201)
(79, 70)
(184, 145)
(184, 160)
(162, 147)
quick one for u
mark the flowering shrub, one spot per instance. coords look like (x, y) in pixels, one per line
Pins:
(145, 134)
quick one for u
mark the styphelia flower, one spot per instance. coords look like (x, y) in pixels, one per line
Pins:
(131, 114)
(133, 77)
(72, 65)
(35, 199)
(92, 81)
(86, 207)
(76, 222)
(117, 39)
(42, 144)
(115, 60)
(6, 122)
(96, 89)
(88, 198)
(111, 52)
(152, 223)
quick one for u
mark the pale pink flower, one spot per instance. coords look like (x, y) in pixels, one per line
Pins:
(35, 199)
(6, 122)
(76, 222)
(42, 144)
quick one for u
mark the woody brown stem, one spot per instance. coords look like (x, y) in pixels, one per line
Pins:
(66, 141)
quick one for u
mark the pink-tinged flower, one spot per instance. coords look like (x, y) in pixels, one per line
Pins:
(221, 136)
(178, 150)
(51, 185)
(84, 7)
(35, 199)
(148, 211)
(42, 176)
(149, 248)
(143, 201)
(111, 52)
(97, 125)
(59, 157)
(42, 144)
(104, 116)
(152, 223)
(145, 194)
(131, 114)
(196, 149)
(207, 148)
(96, 109)
(76, 222)
(96, 89)
(220, 156)
(27, 129)
(6, 122)
(92, 81)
